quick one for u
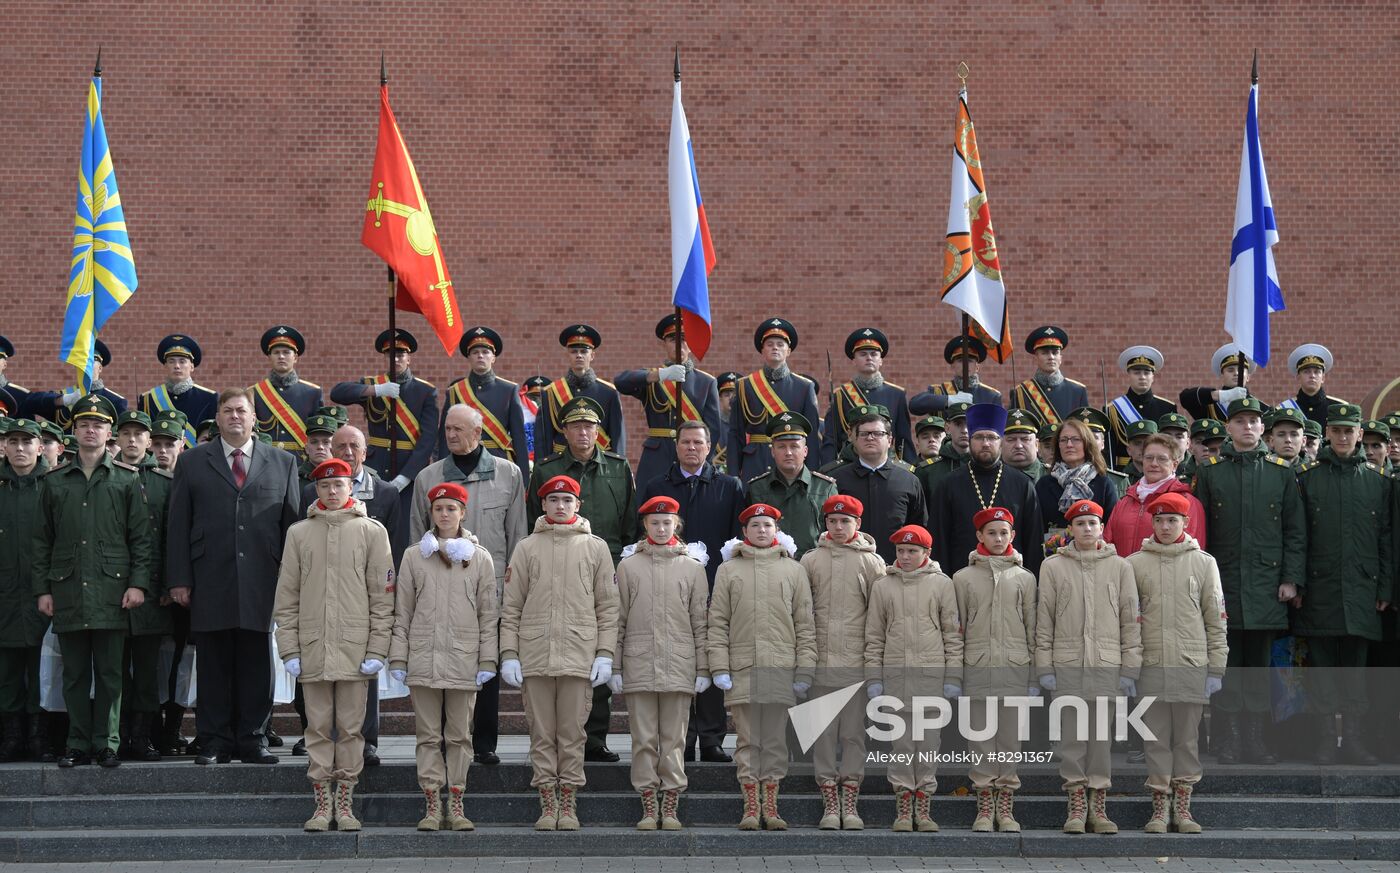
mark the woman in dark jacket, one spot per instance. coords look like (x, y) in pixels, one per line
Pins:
(1077, 473)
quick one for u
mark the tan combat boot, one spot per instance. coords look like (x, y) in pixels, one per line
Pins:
(670, 810)
(432, 811)
(903, 811)
(1077, 812)
(1157, 824)
(456, 811)
(771, 820)
(749, 821)
(1099, 822)
(850, 817)
(1181, 809)
(831, 807)
(923, 822)
(982, 824)
(568, 808)
(549, 808)
(345, 807)
(321, 817)
(648, 819)
(1005, 805)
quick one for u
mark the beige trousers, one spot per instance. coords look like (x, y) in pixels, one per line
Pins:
(985, 772)
(760, 750)
(658, 721)
(1083, 763)
(337, 707)
(438, 711)
(1175, 755)
(555, 709)
(919, 773)
(846, 731)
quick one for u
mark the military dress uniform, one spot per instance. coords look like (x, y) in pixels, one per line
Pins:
(498, 400)
(19, 393)
(1049, 404)
(549, 424)
(94, 543)
(1197, 401)
(937, 398)
(800, 500)
(282, 405)
(726, 382)
(322, 421)
(1020, 421)
(861, 392)
(22, 626)
(199, 404)
(1314, 406)
(1130, 406)
(49, 404)
(931, 471)
(762, 395)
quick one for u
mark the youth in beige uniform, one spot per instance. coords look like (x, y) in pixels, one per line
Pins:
(558, 635)
(662, 592)
(913, 646)
(444, 648)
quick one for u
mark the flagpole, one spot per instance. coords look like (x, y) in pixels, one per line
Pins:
(962, 71)
(680, 329)
(1244, 359)
(393, 423)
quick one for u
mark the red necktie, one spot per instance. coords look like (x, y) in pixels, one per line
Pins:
(240, 473)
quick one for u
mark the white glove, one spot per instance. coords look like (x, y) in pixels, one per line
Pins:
(672, 373)
(484, 676)
(1230, 395)
(874, 690)
(293, 666)
(801, 688)
(951, 691)
(960, 397)
(399, 483)
(702, 684)
(71, 397)
(370, 666)
(602, 671)
(1127, 686)
(400, 676)
(1033, 691)
(386, 389)
(1212, 685)
(723, 681)
(615, 683)
(510, 673)
(1048, 681)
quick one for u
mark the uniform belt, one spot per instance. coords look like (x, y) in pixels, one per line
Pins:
(662, 432)
(760, 438)
(383, 442)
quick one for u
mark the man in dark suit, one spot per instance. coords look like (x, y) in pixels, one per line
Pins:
(231, 503)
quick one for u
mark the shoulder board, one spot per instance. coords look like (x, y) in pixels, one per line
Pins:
(988, 387)
(17, 385)
(115, 394)
(763, 475)
(200, 387)
(802, 378)
(125, 466)
(823, 476)
(1373, 466)
(1308, 466)
(894, 386)
(312, 384)
(425, 382)
(704, 373)
(1332, 399)
(160, 471)
(1280, 461)
(613, 455)
(929, 462)
(513, 385)
(1074, 382)
(1211, 462)
(607, 383)
(50, 471)
(1117, 474)
(904, 465)
(554, 457)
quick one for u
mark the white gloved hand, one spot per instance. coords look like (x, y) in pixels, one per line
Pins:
(387, 389)
(1127, 686)
(874, 690)
(615, 683)
(71, 397)
(370, 666)
(951, 691)
(484, 676)
(702, 684)
(510, 673)
(671, 373)
(801, 689)
(1033, 691)
(1230, 395)
(723, 681)
(1212, 685)
(601, 672)
(960, 397)
(1048, 681)
(293, 666)
(400, 676)
(399, 483)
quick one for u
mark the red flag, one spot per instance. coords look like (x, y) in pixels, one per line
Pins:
(399, 228)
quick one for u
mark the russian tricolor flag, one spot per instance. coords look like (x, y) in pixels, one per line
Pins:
(692, 252)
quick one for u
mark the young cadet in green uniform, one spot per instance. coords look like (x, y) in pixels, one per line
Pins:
(1018, 444)
(1312, 439)
(320, 427)
(21, 624)
(151, 622)
(1176, 426)
(929, 433)
(952, 454)
(1207, 439)
(796, 491)
(1285, 435)
(167, 442)
(1258, 533)
(92, 563)
(1375, 442)
(1348, 502)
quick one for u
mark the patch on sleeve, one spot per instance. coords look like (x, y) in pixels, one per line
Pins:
(389, 586)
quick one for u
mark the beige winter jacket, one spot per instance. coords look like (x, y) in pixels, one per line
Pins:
(560, 607)
(335, 593)
(996, 599)
(841, 575)
(661, 620)
(760, 629)
(913, 637)
(1183, 620)
(445, 617)
(1086, 629)
(495, 506)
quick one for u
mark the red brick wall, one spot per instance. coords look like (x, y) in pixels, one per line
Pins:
(243, 134)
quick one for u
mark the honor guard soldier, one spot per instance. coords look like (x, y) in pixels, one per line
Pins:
(581, 342)
(18, 392)
(497, 399)
(867, 347)
(1098, 426)
(320, 427)
(92, 564)
(938, 397)
(22, 627)
(1048, 396)
(1019, 445)
(1312, 362)
(283, 402)
(788, 484)
(1138, 403)
(414, 428)
(531, 395)
(656, 387)
(765, 394)
(1206, 402)
(181, 357)
(727, 382)
(56, 406)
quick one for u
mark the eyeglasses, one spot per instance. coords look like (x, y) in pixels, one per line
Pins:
(873, 434)
(1156, 459)
(1071, 441)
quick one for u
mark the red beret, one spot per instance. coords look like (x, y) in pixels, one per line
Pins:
(332, 469)
(558, 484)
(993, 513)
(912, 535)
(660, 504)
(841, 504)
(760, 509)
(1170, 504)
(450, 490)
(1084, 507)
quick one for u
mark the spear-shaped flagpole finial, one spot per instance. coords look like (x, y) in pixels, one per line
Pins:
(383, 76)
(962, 75)
(678, 63)
(1254, 73)
(97, 67)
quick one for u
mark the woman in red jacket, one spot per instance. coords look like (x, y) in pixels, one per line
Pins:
(1130, 523)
